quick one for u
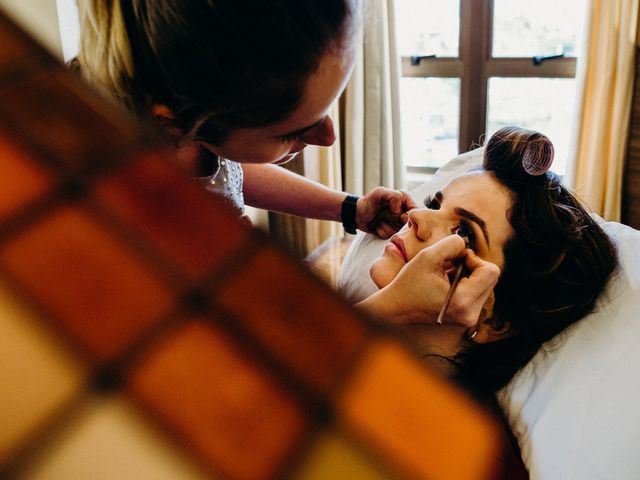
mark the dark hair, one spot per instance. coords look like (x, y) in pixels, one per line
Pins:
(556, 265)
(217, 64)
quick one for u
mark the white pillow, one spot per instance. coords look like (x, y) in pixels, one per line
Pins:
(575, 408)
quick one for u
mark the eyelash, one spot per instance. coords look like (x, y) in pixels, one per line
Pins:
(433, 204)
(290, 138)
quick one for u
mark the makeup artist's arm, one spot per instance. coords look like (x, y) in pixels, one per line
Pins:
(417, 294)
(273, 188)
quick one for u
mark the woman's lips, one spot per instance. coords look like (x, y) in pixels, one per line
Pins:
(397, 247)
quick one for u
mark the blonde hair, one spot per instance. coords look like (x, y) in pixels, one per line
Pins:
(105, 56)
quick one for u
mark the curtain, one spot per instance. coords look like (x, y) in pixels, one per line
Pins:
(302, 236)
(372, 146)
(605, 87)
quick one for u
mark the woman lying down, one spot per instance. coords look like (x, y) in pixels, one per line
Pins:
(554, 259)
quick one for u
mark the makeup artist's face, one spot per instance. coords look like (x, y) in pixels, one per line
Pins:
(309, 123)
(475, 203)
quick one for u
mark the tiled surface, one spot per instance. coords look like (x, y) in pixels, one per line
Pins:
(220, 400)
(37, 374)
(145, 333)
(335, 457)
(389, 400)
(179, 219)
(92, 284)
(109, 439)
(21, 181)
(297, 327)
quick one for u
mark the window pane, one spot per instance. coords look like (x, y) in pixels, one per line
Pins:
(543, 104)
(430, 119)
(523, 28)
(428, 27)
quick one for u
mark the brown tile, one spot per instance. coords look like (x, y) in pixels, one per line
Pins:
(109, 439)
(223, 404)
(180, 217)
(57, 114)
(21, 180)
(305, 326)
(415, 420)
(38, 375)
(99, 292)
(14, 45)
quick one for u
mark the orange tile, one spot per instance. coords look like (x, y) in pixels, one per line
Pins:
(294, 316)
(21, 180)
(220, 401)
(415, 420)
(98, 291)
(182, 219)
(58, 115)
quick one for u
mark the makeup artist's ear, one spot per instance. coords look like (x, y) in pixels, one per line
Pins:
(165, 118)
(491, 330)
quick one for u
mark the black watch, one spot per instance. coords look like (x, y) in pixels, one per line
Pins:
(348, 214)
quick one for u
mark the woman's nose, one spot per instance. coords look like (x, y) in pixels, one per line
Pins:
(322, 134)
(425, 223)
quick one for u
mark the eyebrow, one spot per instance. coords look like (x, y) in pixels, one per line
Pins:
(475, 219)
(302, 130)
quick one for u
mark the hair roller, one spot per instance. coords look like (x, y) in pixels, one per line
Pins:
(537, 158)
(517, 153)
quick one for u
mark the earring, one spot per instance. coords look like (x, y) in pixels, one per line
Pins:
(472, 336)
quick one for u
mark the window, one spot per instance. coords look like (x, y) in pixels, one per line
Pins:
(470, 67)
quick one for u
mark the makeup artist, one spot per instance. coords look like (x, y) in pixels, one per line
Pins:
(242, 86)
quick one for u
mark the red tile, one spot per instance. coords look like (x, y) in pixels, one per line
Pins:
(21, 181)
(58, 115)
(296, 317)
(185, 222)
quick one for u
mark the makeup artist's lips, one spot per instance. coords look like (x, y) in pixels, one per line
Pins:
(397, 247)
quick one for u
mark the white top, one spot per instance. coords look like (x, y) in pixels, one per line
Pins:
(226, 181)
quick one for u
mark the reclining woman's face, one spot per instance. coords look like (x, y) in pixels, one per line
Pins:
(475, 203)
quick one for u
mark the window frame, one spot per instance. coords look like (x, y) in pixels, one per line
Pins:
(475, 66)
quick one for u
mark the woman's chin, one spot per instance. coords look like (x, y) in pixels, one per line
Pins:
(382, 272)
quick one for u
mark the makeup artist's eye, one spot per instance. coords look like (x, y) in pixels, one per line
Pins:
(431, 203)
(466, 232)
(290, 138)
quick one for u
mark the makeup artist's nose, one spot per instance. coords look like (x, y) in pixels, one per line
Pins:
(322, 134)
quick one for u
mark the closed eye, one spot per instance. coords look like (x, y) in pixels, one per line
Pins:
(433, 202)
(290, 138)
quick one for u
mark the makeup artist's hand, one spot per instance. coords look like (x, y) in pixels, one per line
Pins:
(418, 292)
(383, 211)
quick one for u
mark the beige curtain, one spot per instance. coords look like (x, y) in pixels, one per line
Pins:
(372, 148)
(605, 85)
(324, 165)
